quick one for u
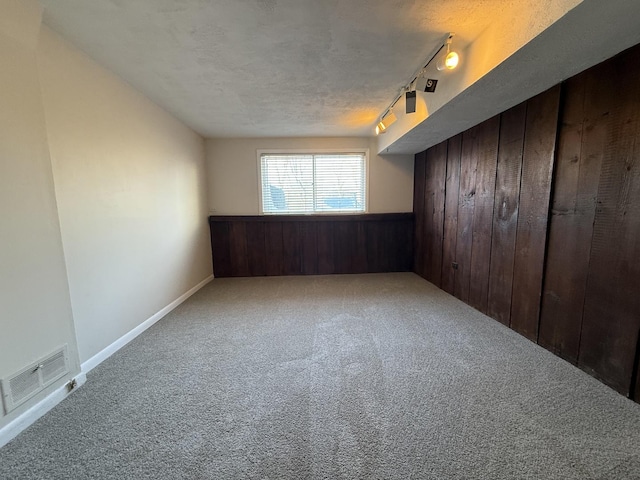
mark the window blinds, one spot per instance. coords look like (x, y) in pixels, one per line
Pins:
(313, 183)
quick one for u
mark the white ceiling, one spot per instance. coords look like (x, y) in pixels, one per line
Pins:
(276, 68)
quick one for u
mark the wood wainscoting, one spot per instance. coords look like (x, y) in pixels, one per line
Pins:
(248, 246)
(533, 217)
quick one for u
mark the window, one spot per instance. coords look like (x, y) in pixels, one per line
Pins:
(306, 183)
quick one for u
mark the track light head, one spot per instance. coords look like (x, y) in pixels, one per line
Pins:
(384, 123)
(450, 59)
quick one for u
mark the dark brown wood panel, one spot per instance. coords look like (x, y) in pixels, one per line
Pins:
(292, 248)
(564, 276)
(274, 248)
(344, 247)
(309, 235)
(535, 192)
(611, 318)
(375, 246)
(418, 211)
(220, 246)
(581, 142)
(326, 232)
(505, 213)
(487, 159)
(450, 229)
(256, 248)
(435, 178)
(402, 243)
(308, 245)
(238, 249)
(466, 204)
(359, 255)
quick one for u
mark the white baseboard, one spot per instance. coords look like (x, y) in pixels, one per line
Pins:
(102, 355)
(25, 420)
(13, 428)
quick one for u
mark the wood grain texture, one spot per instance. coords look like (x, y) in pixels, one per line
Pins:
(238, 249)
(326, 233)
(450, 229)
(221, 250)
(309, 236)
(344, 246)
(564, 276)
(435, 178)
(419, 180)
(305, 245)
(274, 249)
(581, 143)
(535, 192)
(292, 248)
(611, 318)
(505, 213)
(487, 159)
(256, 248)
(466, 204)
(359, 256)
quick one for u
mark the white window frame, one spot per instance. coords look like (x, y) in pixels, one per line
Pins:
(314, 151)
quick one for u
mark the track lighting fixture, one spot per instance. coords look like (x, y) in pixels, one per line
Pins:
(450, 59)
(410, 102)
(446, 61)
(386, 120)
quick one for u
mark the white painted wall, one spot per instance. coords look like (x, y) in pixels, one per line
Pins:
(131, 190)
(35, 309)
(232, 168)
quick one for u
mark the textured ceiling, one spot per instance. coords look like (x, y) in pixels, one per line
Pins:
(247, 68)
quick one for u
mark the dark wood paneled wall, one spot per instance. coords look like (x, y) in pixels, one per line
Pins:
(249, 246)
(541, 219)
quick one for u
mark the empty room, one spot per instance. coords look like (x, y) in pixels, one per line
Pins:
(298, 239)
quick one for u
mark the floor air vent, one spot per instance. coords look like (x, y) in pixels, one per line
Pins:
(21, 386)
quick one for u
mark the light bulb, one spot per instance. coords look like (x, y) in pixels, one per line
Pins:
(449, 61)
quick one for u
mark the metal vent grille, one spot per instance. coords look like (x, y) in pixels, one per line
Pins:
(24, 385)
(53, 368)
(21, 386)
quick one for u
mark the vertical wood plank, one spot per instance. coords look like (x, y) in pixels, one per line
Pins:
(255, 248)
(531, 236)
(466, 203)
(391, 254)
(374, 242)
(404, 244)
(359, 255)
(309, 234)
(238, 249)
(292, 248)
(435, 178)
(505, 213)
(450, 230)
(611, 318)
(220, 249)
(487, 160)
(326, 262)
(274, 248)
(581, 144)
(343, 249)
(418, 212)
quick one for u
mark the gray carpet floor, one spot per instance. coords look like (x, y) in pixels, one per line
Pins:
(360, 376)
